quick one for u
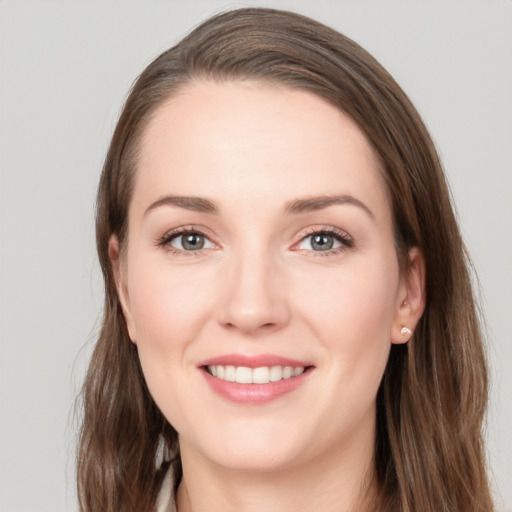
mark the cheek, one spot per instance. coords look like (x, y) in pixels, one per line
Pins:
(351, 317)
(168, 303)
(352, 314)
(170, 306)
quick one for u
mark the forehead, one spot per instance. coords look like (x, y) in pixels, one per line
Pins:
(257, 141)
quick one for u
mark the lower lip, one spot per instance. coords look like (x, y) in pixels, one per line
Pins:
(254, 394)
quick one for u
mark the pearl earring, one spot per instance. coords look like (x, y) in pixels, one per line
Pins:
(405, 330)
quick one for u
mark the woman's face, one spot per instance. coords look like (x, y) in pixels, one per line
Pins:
(261, 245)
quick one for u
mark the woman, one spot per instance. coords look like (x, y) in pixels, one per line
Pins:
(289, 321)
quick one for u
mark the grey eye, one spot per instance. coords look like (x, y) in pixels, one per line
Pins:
(322, 242)
(191, 242)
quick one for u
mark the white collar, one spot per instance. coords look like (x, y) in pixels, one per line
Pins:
(165, 501)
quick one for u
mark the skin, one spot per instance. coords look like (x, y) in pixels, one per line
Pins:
(259, 286)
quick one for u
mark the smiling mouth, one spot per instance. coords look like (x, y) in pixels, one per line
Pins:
(260, 375)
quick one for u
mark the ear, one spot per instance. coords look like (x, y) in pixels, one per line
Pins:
(411, 298)
(114, 253)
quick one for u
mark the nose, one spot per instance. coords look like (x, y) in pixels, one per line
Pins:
(254, 295)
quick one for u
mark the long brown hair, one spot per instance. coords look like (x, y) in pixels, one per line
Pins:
(429, 453)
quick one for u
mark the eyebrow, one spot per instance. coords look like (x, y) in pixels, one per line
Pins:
(314, 203)
(196, 204)
(297, 206)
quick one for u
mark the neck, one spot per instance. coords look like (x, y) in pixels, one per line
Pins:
(343, 482)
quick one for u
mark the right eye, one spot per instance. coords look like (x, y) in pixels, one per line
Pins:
(190, 241)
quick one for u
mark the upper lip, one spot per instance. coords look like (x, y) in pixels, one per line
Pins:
(253, 361)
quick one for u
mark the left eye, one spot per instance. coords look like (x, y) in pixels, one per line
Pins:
(320, 242)
(190, 242)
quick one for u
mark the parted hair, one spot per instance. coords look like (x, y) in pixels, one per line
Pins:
(429, 454)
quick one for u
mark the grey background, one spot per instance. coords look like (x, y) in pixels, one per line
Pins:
(65, 68)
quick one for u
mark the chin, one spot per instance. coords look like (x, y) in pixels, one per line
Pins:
(253, 450)
(247, 459)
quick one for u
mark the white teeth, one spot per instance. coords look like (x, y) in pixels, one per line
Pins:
(230, 373)
(243, 375)
(276, 373)
(260, 375)
(287, 372)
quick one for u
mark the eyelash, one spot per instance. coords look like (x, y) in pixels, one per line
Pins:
(340, 236)
(165, 240)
